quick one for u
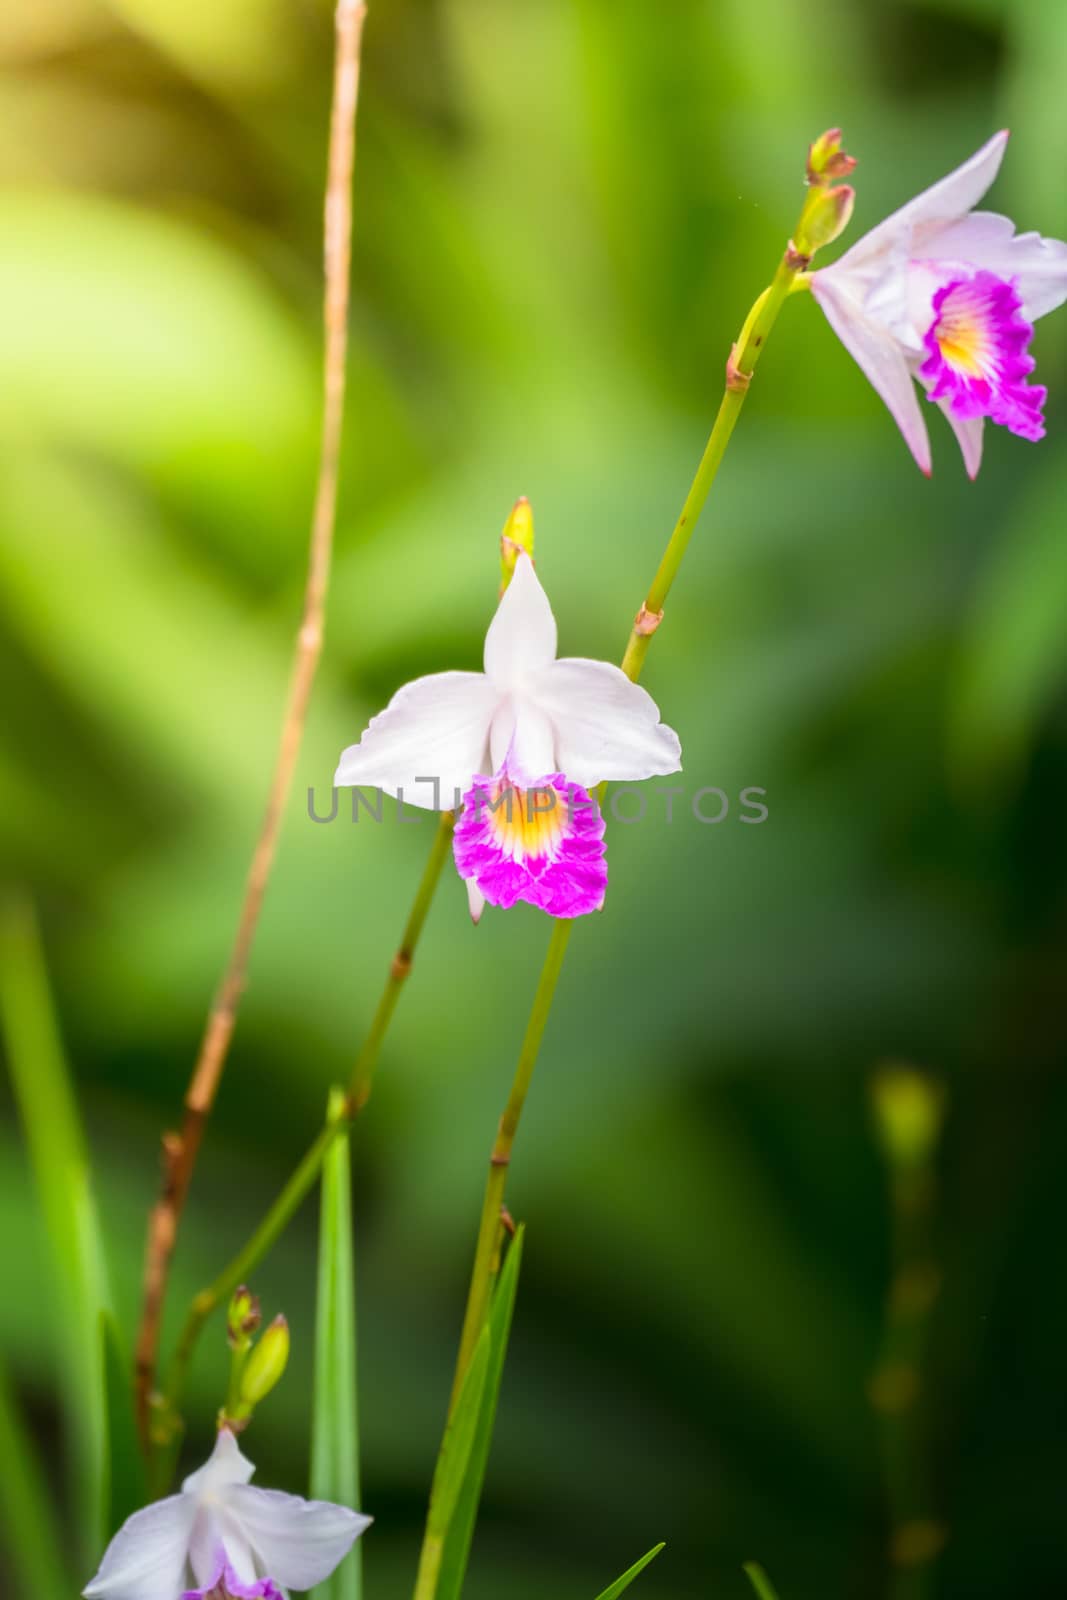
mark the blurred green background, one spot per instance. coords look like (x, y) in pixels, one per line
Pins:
(564, 209)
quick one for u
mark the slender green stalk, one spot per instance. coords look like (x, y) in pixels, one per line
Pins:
(909, 1107)
(363, 1072)
(743, 358)
(166, 1423)
(488, 1248)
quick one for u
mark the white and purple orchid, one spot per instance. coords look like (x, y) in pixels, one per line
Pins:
(521, 744)
(948, 296)
(222, 1539)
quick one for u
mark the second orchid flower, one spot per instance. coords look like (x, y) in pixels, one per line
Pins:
(947, 296)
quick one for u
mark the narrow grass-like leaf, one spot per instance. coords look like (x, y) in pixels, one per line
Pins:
(454, 1457)
(630, 1574)
(127, 1489)
(28, 1531)
(760, 1581)
(453, 1462)
(461, 1528)
(58, 1156)
(334, 1420)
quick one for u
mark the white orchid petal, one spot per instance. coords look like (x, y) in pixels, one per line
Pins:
(531, 748)
(605, 726)
(880, 358)
(503, 726)
(207, 1551)
(1037, 266)
(969, 432)
(146, 1558)
(297, 1542)
(435, 727)
(522, 636)
(951, 197)
(475, 901)
(224, 1466)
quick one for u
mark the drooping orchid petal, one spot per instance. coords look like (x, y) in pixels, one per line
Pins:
(222, 1539)
(298, 1541)
(433, 728)
(148, 1557)
(529, 721)
(946, 296)
(880, 358)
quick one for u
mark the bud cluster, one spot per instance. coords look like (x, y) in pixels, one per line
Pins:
(828, 208)
(255, 1368)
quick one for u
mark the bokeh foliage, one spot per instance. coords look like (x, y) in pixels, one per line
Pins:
(564, 209)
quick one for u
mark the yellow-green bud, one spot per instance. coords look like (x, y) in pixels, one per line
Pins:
(826, 216)
(909, 1110)
(828, 159)
(242, 1317)
(264, 1366)
(518, 535)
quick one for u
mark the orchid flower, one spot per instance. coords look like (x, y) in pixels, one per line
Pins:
(521, 744)
(221, 1539)
(948, 296)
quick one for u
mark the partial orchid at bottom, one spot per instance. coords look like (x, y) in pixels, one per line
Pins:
(521, 746)
(222, 1539)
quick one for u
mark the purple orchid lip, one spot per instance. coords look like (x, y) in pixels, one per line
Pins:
(226, 1585)
(978, 359)
(539, 840)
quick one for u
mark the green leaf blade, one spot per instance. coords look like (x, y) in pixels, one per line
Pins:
(759, 1580)
(29, 1533)
(460, 1531)
(457, 1446)
(59, 1160)
(335, 1416)
(127, 1487)
(630, 1574)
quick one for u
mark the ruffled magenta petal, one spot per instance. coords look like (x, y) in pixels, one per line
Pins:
(978, 360)
(539, 840)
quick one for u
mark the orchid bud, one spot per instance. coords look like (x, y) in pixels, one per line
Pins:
(264, 1366)
(826, 216)
(242, 1318)
(909, 1109)
(518, 535)
(827, 159)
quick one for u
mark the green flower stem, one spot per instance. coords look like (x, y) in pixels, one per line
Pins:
(487, 1250)
(917, 1534)
(166, 1424)
(362, 1077)
(743, 358)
